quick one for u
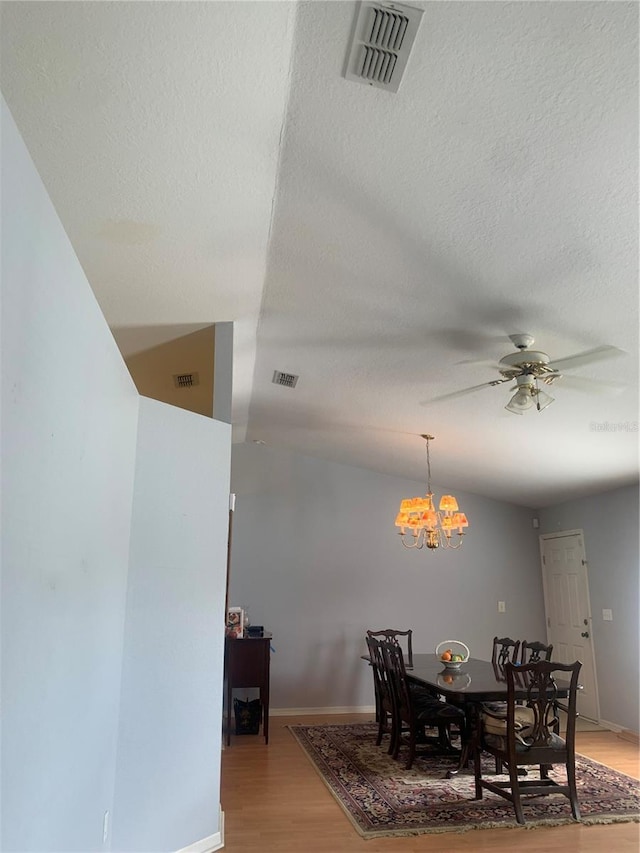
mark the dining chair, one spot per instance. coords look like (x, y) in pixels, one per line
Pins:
(528, 736)
(382, 691)
(416, 709)
(393, 635)
(534, 651)
(385, 708)
(504, 649)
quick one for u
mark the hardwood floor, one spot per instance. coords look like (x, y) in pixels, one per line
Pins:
(275, 802)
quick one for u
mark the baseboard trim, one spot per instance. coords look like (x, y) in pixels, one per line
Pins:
(632, 737)
(209, 844)
(302, 712)
(613, 727)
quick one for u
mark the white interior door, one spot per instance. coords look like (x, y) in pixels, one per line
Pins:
(566, 594)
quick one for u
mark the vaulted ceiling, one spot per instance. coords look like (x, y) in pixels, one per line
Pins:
(210, 162)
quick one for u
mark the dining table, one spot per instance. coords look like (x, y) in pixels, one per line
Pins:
(475, 680)
(474, 683)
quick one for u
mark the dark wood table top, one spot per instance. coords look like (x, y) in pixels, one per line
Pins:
(476, 680)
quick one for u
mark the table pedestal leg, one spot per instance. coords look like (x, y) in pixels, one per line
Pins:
(469, 738)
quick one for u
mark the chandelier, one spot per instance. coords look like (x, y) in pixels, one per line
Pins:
(426, 526)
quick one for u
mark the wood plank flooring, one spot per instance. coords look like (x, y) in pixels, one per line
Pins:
(275, 802)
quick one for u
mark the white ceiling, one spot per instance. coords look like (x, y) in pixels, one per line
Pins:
(210, 163)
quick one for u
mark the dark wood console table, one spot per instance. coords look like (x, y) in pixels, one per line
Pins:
(246, 664)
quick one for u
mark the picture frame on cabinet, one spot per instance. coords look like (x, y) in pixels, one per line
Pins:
(235, 622)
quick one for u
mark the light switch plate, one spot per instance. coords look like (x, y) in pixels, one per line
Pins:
(502, 607)
(607, 615)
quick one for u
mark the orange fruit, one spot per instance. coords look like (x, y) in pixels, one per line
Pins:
(446, 655)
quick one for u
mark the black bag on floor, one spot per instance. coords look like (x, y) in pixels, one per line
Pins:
(248, 714)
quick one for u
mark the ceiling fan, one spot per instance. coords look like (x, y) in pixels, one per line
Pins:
(530, 367)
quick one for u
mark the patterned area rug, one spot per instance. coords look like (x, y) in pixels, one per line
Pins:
(382, 798)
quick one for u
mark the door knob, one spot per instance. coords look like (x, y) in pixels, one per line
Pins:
(584, 634)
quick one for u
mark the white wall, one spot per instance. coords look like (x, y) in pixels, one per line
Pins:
(168, 771)
(610, 525)
(69, 413)
(69, 443)
(317, 560)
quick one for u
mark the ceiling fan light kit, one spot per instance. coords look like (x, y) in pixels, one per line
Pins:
(528, 396)
(422, 526)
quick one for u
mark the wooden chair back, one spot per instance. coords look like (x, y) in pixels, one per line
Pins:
(393, 635)
(384, 699)
(534, 651)
(505, 650)
(380, 678)
(396, 673)
(539, 681)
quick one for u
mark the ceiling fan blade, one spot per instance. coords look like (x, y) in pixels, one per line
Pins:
(594, 386)
(590, 355)
(463, 392)
(478, 361)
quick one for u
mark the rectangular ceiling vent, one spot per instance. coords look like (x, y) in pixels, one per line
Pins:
(185, 380)
(383, 36)
(287, 379)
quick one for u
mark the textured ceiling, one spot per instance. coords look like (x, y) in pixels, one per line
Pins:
(210, 163)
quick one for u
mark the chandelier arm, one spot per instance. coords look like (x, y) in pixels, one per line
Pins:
(415, 544)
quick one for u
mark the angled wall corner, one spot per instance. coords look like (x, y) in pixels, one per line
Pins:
(179, 372)
(191, 371)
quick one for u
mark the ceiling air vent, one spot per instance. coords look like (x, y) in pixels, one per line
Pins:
(185, 380)
(383, 36)
(287, 379)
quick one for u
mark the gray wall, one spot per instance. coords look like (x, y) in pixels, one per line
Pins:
(317, 560)
(170, 734)
(610, 525)
(69, 415)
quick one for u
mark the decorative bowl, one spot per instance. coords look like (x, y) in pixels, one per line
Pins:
(458, 650)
